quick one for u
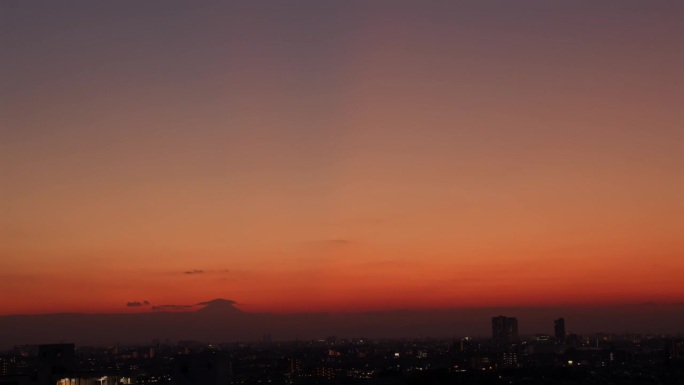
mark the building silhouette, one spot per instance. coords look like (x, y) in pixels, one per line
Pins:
(204, 368)
(559, 329)
(504, 330)
(55, 361)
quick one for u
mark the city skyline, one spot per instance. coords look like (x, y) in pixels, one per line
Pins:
(342, 157)
(219, 320)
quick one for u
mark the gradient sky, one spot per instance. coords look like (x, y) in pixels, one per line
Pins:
(340, 156)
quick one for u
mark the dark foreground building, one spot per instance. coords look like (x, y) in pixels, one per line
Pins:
(504, 330)
(559, 329)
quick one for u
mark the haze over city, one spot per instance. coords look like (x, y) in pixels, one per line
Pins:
(344, 157)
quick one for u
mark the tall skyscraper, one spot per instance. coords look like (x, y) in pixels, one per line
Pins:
(559, 329)
(504, 330)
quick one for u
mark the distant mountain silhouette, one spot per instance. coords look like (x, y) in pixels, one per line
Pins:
(219, 307)
(220, 321)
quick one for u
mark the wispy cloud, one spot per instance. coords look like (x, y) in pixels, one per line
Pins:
(137, 304)
(218, 301)
(171, 307)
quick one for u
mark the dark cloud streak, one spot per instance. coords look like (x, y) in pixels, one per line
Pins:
(171, 307)
(137, 303)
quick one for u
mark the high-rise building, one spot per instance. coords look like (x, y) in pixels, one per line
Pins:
(4, 366)
(559, 329)
(504, 330)
(509, 359)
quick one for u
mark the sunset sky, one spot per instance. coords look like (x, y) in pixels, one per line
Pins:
(340, 155)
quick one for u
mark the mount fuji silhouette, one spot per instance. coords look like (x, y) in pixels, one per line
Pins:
(218, 307)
